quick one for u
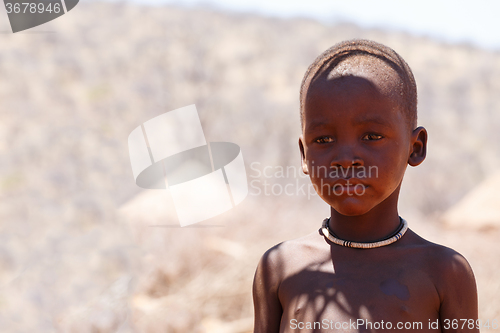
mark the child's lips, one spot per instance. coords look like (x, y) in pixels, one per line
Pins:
(348, 182)
(348, 186)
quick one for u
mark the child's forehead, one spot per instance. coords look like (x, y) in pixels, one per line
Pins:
(359, 105)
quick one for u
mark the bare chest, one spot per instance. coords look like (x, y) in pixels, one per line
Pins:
(342, 290)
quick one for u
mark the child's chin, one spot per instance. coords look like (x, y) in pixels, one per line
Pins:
(351, 212)
(350, 207)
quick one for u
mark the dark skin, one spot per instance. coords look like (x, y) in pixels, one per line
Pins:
(352, 123)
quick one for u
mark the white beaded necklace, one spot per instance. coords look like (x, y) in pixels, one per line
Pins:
(391, 239)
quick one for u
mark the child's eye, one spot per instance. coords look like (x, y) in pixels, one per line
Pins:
(372, 137)
(324, 139)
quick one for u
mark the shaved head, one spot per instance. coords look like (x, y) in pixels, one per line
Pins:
(369, 60)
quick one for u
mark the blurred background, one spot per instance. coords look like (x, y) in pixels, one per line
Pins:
(83, 249)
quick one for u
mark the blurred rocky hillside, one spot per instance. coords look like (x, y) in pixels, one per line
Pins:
(71, 92)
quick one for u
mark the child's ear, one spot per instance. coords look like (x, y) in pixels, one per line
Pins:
(418, 149)
(303, 155)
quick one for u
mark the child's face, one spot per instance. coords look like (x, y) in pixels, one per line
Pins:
(356, 142)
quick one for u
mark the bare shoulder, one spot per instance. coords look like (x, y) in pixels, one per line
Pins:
(275, 265)
(293, 255)
(441, 259)
(452, 275)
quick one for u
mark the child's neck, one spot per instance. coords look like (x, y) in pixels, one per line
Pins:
(377, 224)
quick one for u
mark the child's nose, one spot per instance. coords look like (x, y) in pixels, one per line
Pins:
(346, 158)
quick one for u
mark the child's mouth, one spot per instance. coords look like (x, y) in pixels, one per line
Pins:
(350, 187)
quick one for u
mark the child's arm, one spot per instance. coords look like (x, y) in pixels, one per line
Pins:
(459, 308)
(267, 306)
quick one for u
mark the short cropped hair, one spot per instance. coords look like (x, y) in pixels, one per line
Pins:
(329, 59)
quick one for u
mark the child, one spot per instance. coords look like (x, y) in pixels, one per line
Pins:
(364, 270)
